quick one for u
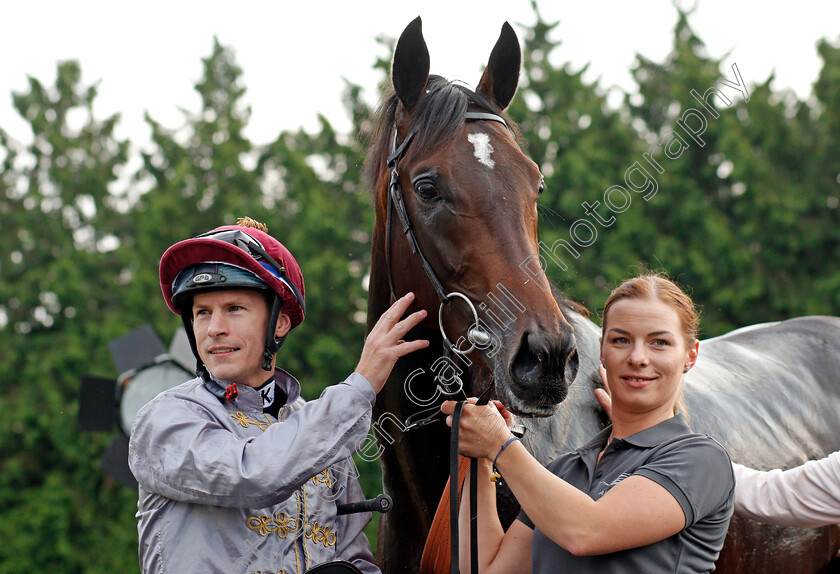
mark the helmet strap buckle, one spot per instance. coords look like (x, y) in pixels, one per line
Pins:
(267, 355)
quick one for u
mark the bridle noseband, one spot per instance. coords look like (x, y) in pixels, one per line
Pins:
(396, 201)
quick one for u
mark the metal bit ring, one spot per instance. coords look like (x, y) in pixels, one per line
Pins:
(446, 339)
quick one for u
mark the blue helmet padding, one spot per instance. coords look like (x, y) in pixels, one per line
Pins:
(212, 276)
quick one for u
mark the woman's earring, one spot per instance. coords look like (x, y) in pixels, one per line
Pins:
(685, 370)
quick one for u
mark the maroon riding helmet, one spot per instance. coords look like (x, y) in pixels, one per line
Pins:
(233, 257)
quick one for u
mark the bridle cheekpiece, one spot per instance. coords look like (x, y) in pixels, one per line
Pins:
(396, 201)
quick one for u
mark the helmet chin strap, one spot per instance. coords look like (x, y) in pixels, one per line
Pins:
(200, 368)
(272, 344)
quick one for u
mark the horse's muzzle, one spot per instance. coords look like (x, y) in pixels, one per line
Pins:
(543, 367)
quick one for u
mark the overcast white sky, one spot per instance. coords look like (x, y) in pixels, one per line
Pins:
(147, 55)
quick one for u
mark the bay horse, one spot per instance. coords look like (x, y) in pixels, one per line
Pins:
(456, 223)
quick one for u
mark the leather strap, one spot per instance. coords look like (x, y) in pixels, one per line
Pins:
(436, 556)
(473, 515)
(397, 202)
(434, 559)
(453, 496)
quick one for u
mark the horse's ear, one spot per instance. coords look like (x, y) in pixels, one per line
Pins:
(410, 69)
(501, 76)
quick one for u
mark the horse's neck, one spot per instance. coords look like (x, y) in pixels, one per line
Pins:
(587, 336)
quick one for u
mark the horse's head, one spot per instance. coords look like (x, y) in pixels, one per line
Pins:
(448, 158)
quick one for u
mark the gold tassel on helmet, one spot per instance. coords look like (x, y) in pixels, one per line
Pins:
(248, 222)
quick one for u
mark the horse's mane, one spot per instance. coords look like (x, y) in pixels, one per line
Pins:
(567, 304)
(437, 118)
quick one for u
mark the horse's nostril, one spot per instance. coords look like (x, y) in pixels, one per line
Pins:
(526, 363)
(539, 358)
(533, 361)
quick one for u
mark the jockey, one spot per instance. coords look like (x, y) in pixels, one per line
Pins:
(236, 472)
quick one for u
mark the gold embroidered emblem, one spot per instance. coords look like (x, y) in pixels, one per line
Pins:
(245, 420)
(281, 524)
(318, 534)
(323, 477)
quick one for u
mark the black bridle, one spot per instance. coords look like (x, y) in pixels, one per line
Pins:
(396, 201)
(475, 334)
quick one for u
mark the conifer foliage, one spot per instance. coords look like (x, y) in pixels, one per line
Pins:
(732, 189)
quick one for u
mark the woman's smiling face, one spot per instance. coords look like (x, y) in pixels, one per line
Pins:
(645, 353)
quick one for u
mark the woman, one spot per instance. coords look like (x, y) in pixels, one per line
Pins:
(807, 496)
(645, 495)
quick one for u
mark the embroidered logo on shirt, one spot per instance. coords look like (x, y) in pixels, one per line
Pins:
(319, 534)
(323, 477)
(245, 421)
(608, 485)
(283, 525)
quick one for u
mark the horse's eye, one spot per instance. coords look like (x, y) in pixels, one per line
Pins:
(426, 190)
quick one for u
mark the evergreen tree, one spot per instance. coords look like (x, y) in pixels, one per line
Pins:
(686, 228)
(824, 181)
(748, 221)
(197, 177)
(59, 276)
(740, 217)
(583, 147)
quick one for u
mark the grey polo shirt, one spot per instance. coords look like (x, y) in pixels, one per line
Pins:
(694, 468)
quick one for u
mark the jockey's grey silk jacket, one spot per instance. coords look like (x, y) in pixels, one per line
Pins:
(226, 488)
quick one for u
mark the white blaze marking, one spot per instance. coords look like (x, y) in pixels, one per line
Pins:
(483, 149)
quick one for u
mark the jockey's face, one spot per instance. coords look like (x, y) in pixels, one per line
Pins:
(229, 329)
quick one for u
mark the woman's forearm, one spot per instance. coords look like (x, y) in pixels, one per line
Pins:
(500, 551)
(635, 512)
(557, 508)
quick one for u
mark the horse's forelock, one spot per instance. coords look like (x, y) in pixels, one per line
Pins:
(436, 120)
(439, 114)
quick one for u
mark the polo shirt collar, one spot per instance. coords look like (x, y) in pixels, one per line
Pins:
(648, 438)
(659, 433)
